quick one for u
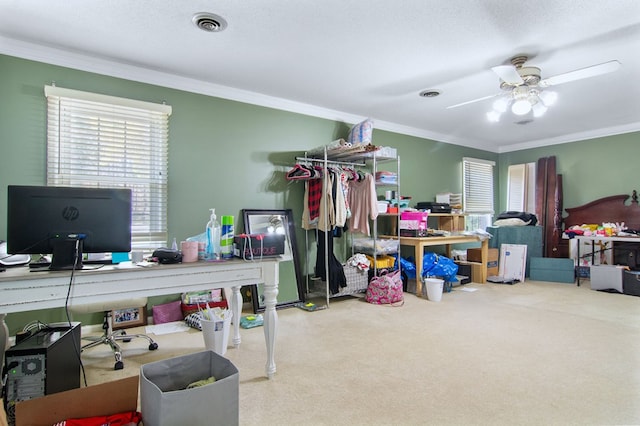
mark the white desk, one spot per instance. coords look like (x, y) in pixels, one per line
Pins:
(22, 290)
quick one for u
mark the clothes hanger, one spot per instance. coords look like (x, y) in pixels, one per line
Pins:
(299, 172)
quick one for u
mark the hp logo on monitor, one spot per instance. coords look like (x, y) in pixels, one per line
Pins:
(70, 213)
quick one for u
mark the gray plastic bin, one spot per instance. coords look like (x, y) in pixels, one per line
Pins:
(165, 401)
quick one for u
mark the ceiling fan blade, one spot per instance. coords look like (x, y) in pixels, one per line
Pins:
(471, 101)
(581, 73)
(508, 74)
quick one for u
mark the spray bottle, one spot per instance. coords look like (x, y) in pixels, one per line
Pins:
(226, 238)
(213, 237)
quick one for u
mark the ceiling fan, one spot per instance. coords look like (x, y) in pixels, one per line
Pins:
(523, 88)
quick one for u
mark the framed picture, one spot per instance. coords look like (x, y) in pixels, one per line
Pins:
(128, 317)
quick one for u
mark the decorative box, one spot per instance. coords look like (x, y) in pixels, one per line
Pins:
(254, 246)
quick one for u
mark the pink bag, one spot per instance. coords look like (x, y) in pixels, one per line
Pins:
(386, 289)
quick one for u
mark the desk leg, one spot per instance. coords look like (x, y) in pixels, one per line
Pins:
(418, 253)
(578, 262)
(271, 278)
(4, 338)
(236, 309)
(484, 256)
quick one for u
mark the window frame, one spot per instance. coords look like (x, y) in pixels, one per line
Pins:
(96, 140)
(478, 174)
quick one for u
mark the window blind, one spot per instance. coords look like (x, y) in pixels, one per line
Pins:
(516, 187)
(103, 141)
(477, 176)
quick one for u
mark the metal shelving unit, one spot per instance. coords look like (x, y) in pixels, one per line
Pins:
(361, 156)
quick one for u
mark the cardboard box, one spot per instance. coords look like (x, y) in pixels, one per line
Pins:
(552, 269)
(114, 397)
(493, 254)
(606, 277)
(164, 399)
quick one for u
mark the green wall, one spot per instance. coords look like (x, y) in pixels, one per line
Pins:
(590, 169)
(230, 155)
(223, 154)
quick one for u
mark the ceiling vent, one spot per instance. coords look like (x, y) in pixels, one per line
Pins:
(209, 22)
(429, 93)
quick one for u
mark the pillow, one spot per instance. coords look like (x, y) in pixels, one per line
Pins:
(360, 134)
(526, 217)
(514, 221)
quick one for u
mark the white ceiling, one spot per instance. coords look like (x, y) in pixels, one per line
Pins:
(352, 59)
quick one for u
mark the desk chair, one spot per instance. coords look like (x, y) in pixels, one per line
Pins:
(110, 337)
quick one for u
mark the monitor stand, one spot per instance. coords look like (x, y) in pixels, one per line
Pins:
(66, 255)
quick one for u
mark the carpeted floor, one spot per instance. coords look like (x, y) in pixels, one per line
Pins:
(534, 353)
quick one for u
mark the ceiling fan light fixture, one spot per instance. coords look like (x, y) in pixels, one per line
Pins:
(539, 109)
(548, 97)
(501, 104)
(493, 116)
(521, 107)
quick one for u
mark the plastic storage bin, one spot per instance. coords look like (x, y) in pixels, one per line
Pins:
(606, 277)
(382, 262)
(631, 283)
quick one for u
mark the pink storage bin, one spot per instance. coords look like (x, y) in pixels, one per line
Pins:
(419, 216)
(413, 224)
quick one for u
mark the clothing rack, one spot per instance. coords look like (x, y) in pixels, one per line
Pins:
(355, 158)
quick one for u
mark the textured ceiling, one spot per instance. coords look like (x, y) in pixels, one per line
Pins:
(348, 60)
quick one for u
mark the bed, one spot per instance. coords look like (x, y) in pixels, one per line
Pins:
(608, 209)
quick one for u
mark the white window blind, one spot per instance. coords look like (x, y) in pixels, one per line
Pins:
(103, 141)
(516, 187)
(521, 187)
(477, 176)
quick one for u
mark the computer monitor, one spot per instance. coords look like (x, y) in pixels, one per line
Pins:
(67, 221)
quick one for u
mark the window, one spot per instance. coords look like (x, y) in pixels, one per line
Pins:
(102, 141)
(477, 195)
(521, 188)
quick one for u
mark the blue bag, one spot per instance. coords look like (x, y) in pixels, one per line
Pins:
(434, 265)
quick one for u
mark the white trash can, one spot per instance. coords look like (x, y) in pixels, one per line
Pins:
(434, 288)
(216, 333)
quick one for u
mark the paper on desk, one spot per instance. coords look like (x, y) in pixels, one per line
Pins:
(167, 328)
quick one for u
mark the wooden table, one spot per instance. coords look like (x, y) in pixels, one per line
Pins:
(419, 243)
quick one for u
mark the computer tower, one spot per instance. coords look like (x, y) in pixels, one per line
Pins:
(46, 362)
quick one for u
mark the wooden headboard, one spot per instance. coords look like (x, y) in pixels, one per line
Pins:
(607, 209)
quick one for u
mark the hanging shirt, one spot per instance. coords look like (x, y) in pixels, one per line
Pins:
(325, 216)
(363, 201)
